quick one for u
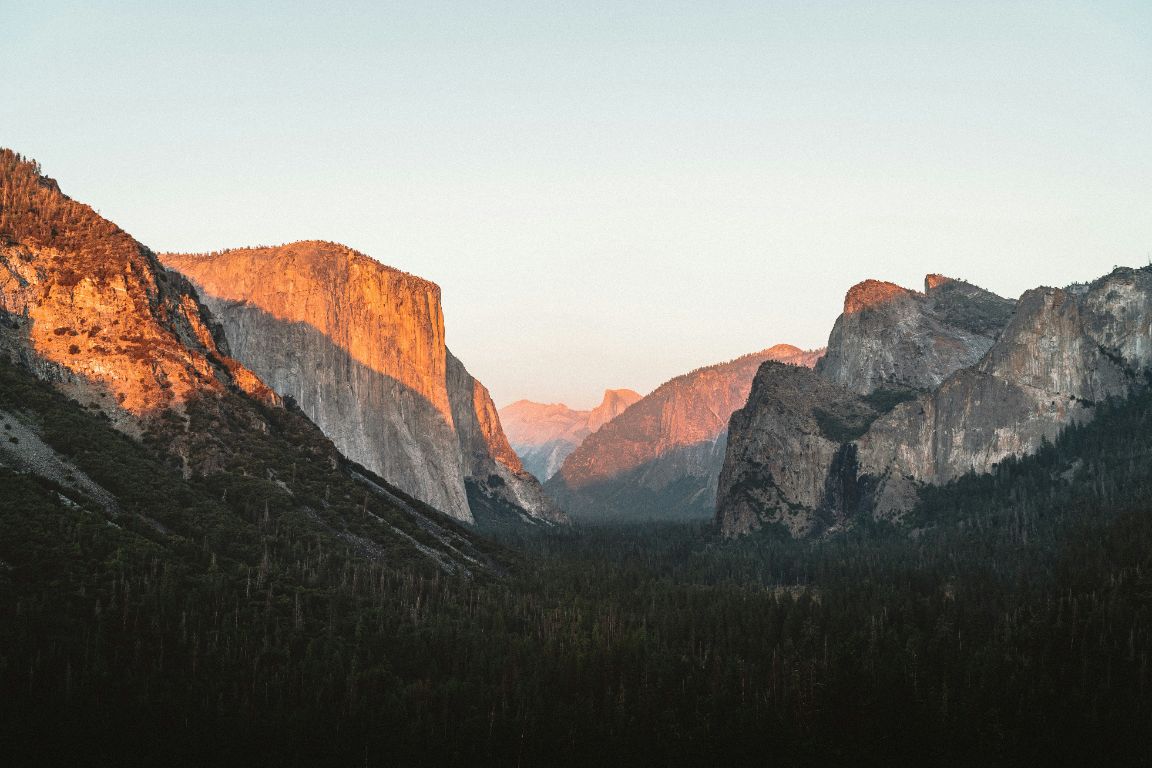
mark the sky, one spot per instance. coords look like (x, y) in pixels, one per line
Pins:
(609, 194)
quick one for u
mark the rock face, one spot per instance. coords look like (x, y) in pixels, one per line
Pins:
(785, 451)
(544, 434)
(1056, 355)
(892, 337)
(86, 306)
(360, 348)
(197, 449)
(494, 476)
(661, 457)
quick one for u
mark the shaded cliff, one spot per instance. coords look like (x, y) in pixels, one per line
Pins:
(1057, 354)
(1063, 352)
(661, 457)
(496, 481)
(543, 435)
(787, 452)
(359, 346)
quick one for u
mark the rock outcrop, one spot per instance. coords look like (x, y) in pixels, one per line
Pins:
(359, 346)
(86, 306)
(1056, 355)
(494, 475)
(889, 336)
(787, 453)
(543, 435)
(661, 457)
(196, 449)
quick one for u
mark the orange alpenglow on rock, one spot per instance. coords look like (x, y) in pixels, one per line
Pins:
(870, 293)
(96, 310)
(934, 281)
(295, 283)
(359, 346)
(544, 434)
(662, 456)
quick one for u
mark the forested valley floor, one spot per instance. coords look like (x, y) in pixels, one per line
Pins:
(1008, 623)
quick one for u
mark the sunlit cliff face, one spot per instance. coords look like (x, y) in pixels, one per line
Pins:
(488, 421)
(95, 304)
(389, 321)
(871, 293)
(360, 347)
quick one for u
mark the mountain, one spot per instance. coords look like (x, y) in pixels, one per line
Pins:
(87, 307)
(660, 458)
(359, 347)
(121, 401)
(922, 388)
(892, 337)
(544, 434)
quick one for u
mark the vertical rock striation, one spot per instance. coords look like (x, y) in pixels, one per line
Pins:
(786, 453)
(359, 346)
(494, 474)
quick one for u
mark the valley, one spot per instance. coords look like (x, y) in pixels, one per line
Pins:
(253, 510)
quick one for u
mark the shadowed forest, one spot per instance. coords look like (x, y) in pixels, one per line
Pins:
(1010, 622)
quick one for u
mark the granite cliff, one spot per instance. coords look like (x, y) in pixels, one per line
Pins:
(892, 337)
(544, 434)
(359, 346)
(121, 401)
(495, 480)
(661, 457)
(906, 400)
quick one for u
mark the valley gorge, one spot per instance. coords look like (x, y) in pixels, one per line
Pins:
(218, 541)
(544, 434)
(576, 385)
(660, 458)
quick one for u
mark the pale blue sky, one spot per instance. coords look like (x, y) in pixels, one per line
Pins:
(609, 194)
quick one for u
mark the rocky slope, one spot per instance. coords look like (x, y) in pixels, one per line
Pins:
(1058, 353)
(85, 305)
(661, 457)
(544, 434)
(784, 450)
(494, 475)
(359, 346)
(118, 395)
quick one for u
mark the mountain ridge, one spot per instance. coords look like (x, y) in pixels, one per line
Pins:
(122, 401)
(954, 383)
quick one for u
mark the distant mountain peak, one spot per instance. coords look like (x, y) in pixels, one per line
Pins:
(661, 457)
(544, 434)
(616, 394)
